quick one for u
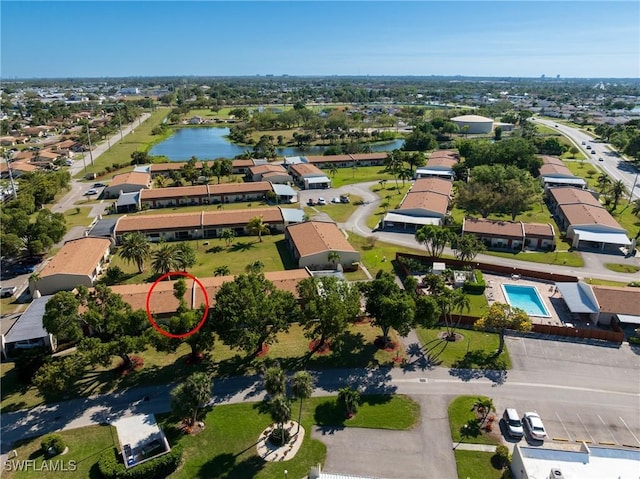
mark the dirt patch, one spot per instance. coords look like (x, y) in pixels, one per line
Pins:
(191, 429)
(444, 336)
(389, 347)
(263, 352)
(325, 349)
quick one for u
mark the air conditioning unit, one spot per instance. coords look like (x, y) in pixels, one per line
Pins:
(555, 473)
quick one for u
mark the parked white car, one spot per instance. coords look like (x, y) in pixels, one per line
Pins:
(533, 425)
(322, 201)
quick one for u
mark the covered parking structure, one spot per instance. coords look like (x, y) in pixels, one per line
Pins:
(408, 222)
(603, 240)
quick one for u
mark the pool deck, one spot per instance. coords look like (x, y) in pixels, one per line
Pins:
(546, 289)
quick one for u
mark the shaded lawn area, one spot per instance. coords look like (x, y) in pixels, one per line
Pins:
(389, 194)
(361, 174)
(120, 152)
(377, 411)
(460, 413)
(476, 465)
(356, 349)
(381, 256)
(273, 252)
(85, 447)
(474, 351)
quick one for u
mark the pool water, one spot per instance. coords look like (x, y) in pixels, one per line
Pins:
(526, 298)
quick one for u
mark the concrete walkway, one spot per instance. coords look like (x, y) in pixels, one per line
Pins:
(463, 446)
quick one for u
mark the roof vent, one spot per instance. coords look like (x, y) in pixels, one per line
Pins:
(556, 473)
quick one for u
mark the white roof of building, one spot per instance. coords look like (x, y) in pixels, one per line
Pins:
(317, 179)
(587, 463)
(602, 237)
(472, 118)
(137, 430)
(628, 318)
(294, 160)
(414, 220)
(292, 215)
(428, 171)
(576, 298)
(283, 190)
(142, 169)
(565, 181)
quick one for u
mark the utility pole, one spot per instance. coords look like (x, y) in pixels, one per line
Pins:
(633, 186)
(89, 138)
(119, 123)
(13, 184)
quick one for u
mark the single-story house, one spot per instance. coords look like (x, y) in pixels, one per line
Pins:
(590, 226)
(435, 184)
(204, 224)
(439, 164)
(418, 209)
(79, 262)
(348, 161)
(510, 235)
(273, 173)
(140, 438)
(570, 196)
(239, 166)
(204, 194)
(27, 332)
(554, 172)
(313, 244)
(284, 193)
(127, 183)
(309, 177)
(621, 303)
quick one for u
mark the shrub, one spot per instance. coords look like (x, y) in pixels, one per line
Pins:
(634, 340)
(111, 466)
(477, 286)
(28, 363)
(501, 458)
(52, 444)
(276, 439)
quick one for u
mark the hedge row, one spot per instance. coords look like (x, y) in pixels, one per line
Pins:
(477, 286)
(111, 466)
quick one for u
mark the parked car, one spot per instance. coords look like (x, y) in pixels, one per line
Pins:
(344, 199)
(600, 159)
(322, 201)
(512, 423)
(584, 142)
(335, 200)
(90, 192)
(534, 426)
(593, 152)
(311, 202)
(99, 185)
(8, 291)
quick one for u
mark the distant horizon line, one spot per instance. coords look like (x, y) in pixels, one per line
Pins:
(284, 75)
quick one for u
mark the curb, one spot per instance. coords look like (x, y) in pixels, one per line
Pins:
(560, 439)
(586, 441)
(607, 443)
(635, 446)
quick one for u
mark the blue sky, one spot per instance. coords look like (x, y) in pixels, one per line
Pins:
(481, 38)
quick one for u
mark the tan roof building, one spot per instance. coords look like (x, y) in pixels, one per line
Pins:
(618, 300)
(571, 196)
(312, 241)
(510, 235)
(585, 214)
(127, 183)
(433, 184)
(429, 202)
(552, 160)
(555, 170)
(79, 262)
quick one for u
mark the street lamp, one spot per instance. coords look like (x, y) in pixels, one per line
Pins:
(286, 474)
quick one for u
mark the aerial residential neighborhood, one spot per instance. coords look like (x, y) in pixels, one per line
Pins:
(335, 251)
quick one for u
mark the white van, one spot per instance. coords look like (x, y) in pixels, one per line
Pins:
(512, 423)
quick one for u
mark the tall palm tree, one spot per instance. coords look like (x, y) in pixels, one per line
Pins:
(280, 409)
(333, 169)
(617, 190)
(405, 174)
(163, 259)
(258, 227)
(185, 256)
(635, 207)
(301, 388)
(135, 248)
(460, 303)
(603, 182)
(274, 381)
(350, 399)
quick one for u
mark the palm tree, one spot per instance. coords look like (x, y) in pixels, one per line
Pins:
(635, 208)
(189, 396)
(350, 399)
(405, 174)
(484, 405)
(301, 388)
(222, 271)
(603, 182)
(185, 256)
(382, 183)
(136, 249)
(280, 409)
(257, 226)
(228, 235)
(334, 257)
(460, 302)
(274, 381)
(617, 190)
(163, 259)
(254, 267)
(333, 169)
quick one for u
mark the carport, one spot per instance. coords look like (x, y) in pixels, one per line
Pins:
(602, 238)
(394, 220)
(578, 297)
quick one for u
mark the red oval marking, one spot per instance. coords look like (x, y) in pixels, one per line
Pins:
(206, 305)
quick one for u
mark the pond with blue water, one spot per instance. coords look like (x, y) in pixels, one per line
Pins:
(210, 143)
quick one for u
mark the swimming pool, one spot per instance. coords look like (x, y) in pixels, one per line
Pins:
(527, 298)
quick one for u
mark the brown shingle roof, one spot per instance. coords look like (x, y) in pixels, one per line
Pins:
(328, 159)
(161, 301)
(493, 227)
(427, 200)
(614, 299)
(550, 169)
(262, 169)
(378, 155)
(541, 230)
(175, 192)
(552, 160)
(568, 196)
(303, 169)
(315, 237)
(79, 256)
(436, 185)
(231, 188)
(241, 217)
(441, 162)
(444, 154)
(131, 178)
(588, 215)
(157, 222)
(162, 167)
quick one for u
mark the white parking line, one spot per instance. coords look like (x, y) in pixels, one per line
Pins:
(625, 425)
(565, 429)
(585, 427)
(605, 425)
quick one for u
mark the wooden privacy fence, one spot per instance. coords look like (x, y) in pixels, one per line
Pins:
(487, 268)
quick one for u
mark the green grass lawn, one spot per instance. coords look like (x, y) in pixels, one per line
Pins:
(389, 194)
(476, 465)
(622, 268)
(564, 258)
(339, 212)
(474, 351)
(227, 445)
(604, 282)
(120, 152)
(78, 218)
(381, 256)
(460, 413)
(355, 349)
(349, 176)
(85, 447)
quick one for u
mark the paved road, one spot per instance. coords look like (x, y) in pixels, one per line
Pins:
(615, 166)
(582, 391)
